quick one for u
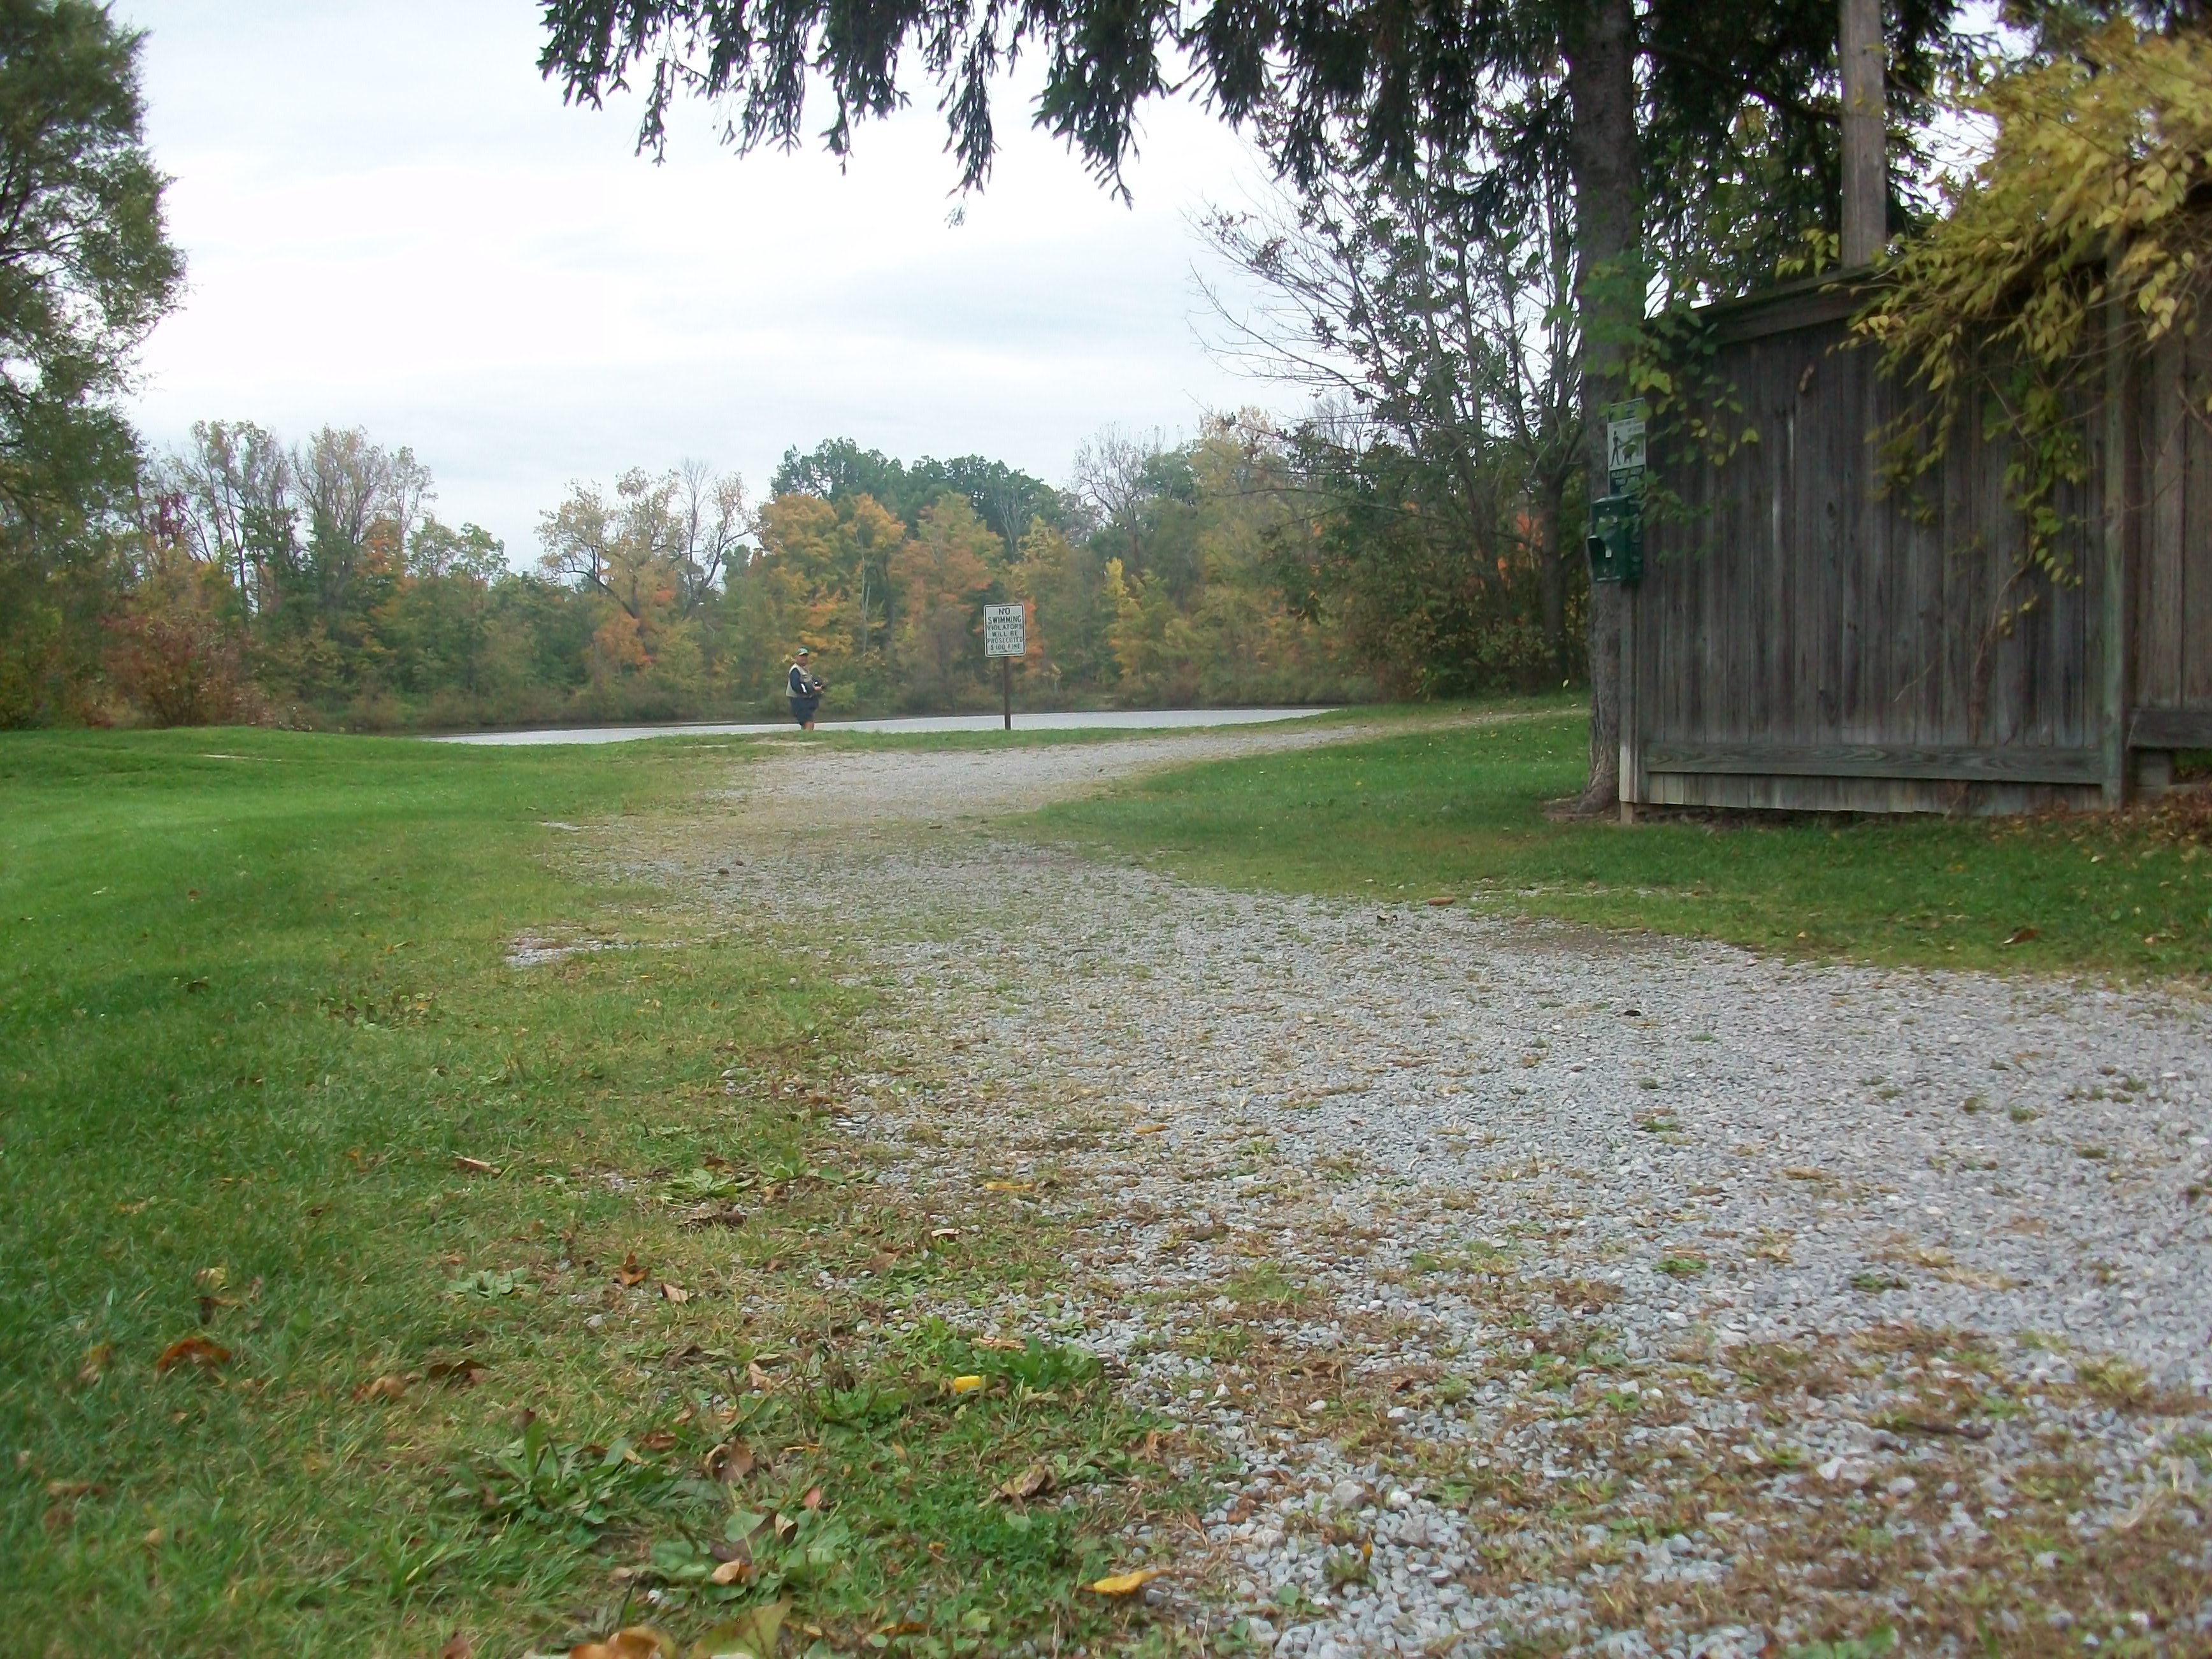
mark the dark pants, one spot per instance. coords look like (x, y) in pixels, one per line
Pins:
(802, 709)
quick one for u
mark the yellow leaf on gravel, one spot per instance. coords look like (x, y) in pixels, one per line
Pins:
(966, 1384)
(1148, 1129)
(1126, 1583)
(1008, 1186)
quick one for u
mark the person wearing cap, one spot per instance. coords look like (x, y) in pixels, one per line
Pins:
(803, 690)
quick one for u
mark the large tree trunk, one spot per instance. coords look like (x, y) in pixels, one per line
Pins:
(1601, 53)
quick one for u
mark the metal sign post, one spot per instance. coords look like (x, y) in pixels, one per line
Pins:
(1005, 637)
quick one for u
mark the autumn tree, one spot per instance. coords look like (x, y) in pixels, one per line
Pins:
(85, 271)
(940, 577)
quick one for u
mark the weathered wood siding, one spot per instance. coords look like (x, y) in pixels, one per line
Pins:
(1805, 638)
(2170, 485)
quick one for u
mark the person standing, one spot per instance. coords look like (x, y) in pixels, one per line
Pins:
(803, 690)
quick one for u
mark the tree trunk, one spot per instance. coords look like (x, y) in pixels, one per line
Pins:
(1601, 53)
(1866, 173)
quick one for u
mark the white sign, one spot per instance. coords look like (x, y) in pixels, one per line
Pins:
(1624, 445)
(1003, 635)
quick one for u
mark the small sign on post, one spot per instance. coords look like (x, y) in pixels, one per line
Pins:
(1005, 637)
(1624, 445)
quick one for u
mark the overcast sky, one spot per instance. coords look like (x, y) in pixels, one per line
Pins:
(392, 222)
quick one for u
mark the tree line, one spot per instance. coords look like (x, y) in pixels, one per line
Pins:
(313, 583)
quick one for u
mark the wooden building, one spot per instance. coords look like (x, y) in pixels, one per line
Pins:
(1804, 638)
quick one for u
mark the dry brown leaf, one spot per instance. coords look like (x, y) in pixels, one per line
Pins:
(389, 1387)
(733, 1461)
(1125, 1583)
(459, 1373)
(659, 1441)
(474, 1166)
(632, 1272)
(1443, 899)
(813, 1499)
(945, 1232)
(1008, 1186)
(1003, 1344)
(190, 1351)
(675, 1293)
(759, 1378)
(731, 1572)
(457, 1646)
(1148, 1129)
(2022, 935)
(1032, 1482)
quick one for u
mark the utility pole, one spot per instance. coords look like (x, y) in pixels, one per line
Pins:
(1866, 117)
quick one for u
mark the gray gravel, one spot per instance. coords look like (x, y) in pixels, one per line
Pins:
(1475, 1244)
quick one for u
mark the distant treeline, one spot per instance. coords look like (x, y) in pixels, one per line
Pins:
(313, 583)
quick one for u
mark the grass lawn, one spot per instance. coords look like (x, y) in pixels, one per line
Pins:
(359, 1291)
(1457, 808)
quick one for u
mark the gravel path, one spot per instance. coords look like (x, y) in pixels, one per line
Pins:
(1546, 1290)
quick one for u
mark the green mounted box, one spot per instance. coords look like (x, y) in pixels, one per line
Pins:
(1616, 539)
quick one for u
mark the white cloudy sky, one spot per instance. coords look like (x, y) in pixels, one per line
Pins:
(392, 222)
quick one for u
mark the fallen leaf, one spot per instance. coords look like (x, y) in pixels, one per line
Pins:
(813, 1499)
(945, 1232)
(457, 1646)
(66, 1489)
(675, 1293)
(1126, 1583)
(475, 1166)
(459, 1373)
(391, 1387)
(659, 1441)
(190, 1351)
(1148, 1129)
(731, 1572)
(211, 1280)
(1443, 899)
(967, 1384)
(1008, 1186)
(95, 1362)
(637, 1642)
(753, 1636)
(2022, 935)
(631, 1271)
(759, 1378)
(1032, 1482)
(733, 1461)
(1003, 1344)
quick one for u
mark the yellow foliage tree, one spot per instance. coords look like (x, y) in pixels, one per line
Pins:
(2084, 214)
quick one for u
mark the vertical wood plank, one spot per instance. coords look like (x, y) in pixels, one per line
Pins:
(2195, 604)
(2107, 642)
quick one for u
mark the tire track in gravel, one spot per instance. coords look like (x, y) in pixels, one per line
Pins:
(1598, 1292)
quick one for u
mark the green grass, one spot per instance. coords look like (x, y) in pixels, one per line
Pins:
(269, 1090)
(1457, 810)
